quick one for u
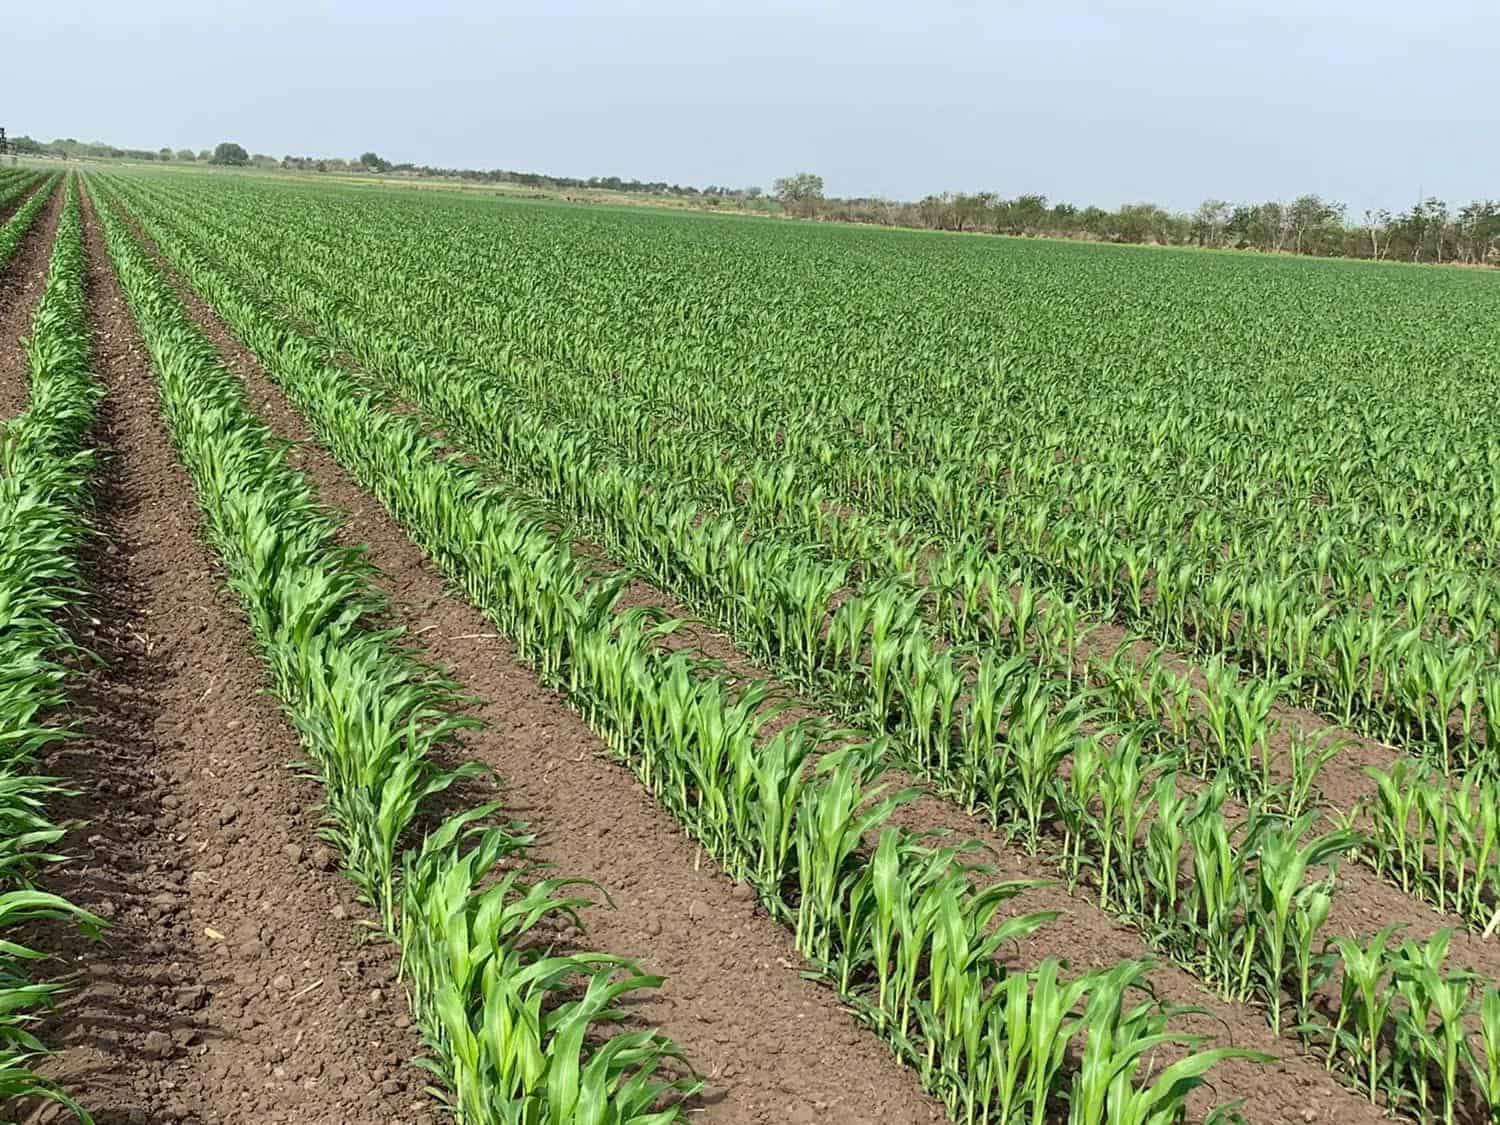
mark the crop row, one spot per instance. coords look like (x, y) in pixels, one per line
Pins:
(1248, 919)
(44, 471)
(14, 185)
(510, 1021)
(882, 922)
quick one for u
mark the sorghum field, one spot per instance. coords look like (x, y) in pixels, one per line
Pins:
(541, 664)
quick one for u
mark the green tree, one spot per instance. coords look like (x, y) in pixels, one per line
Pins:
(1025, 214)
(373, 162)
(1210, 221)
(1312, 218)
(1478, 230)
(1270, 226)
(185, 155)
(800, 193)
(231, 154)
(971, 208)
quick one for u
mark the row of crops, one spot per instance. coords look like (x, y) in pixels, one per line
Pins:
(509, 1020)
(15, 185)
(44, 468)
(931, 558)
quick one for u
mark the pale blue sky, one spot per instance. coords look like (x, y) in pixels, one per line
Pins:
(1365, 101)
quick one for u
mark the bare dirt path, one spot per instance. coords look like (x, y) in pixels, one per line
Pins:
(22, 283)
(230, 986)
(773, 1047)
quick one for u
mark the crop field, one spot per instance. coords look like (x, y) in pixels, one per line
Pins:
(526, 664)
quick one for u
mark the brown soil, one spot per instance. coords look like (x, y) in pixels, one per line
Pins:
(773, 1047)
(230, 986)
(21, 285)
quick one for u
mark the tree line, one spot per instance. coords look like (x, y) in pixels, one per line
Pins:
(71, 149)
(1429, 231)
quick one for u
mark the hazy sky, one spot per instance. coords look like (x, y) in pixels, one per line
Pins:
(1365, 101)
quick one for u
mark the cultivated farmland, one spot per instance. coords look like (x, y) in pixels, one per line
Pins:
(651, 667)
